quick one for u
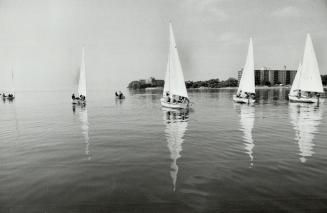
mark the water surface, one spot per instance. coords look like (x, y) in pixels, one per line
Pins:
(132, 156)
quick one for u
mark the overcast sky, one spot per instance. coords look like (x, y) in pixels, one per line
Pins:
(128, 39)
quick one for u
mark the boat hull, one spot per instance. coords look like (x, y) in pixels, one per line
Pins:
(243, 100)
(173, 105)
(76, 101)
(8, 98)
(302, 99)
(123, 97)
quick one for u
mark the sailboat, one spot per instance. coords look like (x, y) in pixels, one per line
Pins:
(307, 85)
(176, 126)
(81, 99)
(10, 89)
(246, 89)
(305, 120)
(174, 93)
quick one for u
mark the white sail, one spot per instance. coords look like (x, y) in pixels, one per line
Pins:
(174, 80)
(176, 125)
(296, 81)
(310, 80)
(9, 87)
(12, 84)
(247, 116)
(305, 120)
(247, 80)
(82, 77)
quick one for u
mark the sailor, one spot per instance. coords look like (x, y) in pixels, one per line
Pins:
(299, 94)
(73, 96)
(116, 94)
(167, 98)
(239, 94)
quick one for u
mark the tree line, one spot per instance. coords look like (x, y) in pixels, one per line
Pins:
(212, 83)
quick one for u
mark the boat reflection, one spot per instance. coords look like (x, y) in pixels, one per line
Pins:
(247, 116)
(176, 126)
(305, 119)
(81, 111)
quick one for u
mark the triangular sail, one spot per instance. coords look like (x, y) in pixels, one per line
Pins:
(82, 77)
(247, 80)
(12, 84)
(174, 79)
(296, 81)
(310, 80)
(9, 87)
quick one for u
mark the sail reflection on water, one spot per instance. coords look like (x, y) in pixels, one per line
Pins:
(176, 126)
(82, 114)
(305, 119)
(247, 116)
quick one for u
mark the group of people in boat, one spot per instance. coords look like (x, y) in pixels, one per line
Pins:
(175, 98)
(81, 97)
(301, 94)
(246, 95)
(119, 95)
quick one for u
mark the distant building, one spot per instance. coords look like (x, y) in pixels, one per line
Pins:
(266, 76)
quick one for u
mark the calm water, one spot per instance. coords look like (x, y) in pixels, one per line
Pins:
(132, 156)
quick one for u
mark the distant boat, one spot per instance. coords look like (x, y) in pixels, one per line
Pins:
(246, 88)
(307, 85)
(174, 93)
(10, 91)
(81, 99)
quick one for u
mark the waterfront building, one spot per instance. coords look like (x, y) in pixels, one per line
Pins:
(266, 76)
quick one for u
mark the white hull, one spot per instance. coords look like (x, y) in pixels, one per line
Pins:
(174, 105)
(243, 100)
(302, 99)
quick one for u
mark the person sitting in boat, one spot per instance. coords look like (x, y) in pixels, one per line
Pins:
(167, 98)
(247, 95)
(309, 94)
(10, 95)
(4, 95)
(299, 94)
(116, 94)
(174, 98)
(120, 95)
(239, 94)
(73, 96)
